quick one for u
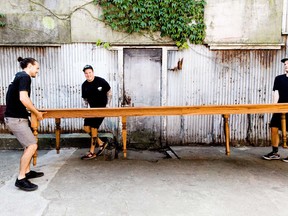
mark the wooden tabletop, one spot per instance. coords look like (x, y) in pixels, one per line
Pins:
(166, 110)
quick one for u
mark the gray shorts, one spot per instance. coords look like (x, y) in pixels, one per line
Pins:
(21, 130)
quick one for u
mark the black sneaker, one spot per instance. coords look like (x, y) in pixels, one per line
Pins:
(285, 159)
(34, 174)
(271, 156)
(25, 184)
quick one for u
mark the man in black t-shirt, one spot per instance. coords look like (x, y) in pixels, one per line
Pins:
(97, 93)
(280, 95)
(16, 120)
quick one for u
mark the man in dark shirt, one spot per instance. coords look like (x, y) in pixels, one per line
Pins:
(97, 93)
(280, 95)
(16, 120)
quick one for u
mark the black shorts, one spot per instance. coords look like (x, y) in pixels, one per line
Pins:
(93, 122)
(276, 121)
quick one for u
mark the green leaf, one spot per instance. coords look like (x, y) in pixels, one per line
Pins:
(106, 45)
(98, 42)
(180, 20)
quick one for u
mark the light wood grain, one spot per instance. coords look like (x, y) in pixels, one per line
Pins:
(124, 112)
(166, 110)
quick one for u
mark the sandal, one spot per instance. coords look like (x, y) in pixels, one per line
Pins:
(89, 156)
(101, 149)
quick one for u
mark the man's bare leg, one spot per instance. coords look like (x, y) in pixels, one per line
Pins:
(94, 135)
(275, 137)
(25, 160)
(94, 141)
(275, 143)
(22, 181)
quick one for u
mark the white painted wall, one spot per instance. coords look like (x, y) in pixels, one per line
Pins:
(250, 22)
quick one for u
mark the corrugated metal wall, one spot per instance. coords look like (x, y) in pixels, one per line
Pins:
(221, 77)
(207, 77)
(58, 84)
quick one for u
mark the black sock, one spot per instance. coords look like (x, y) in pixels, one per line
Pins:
(274, 149)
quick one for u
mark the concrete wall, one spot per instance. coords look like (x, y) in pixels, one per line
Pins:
(256, 22)
(39, 22)
(54, 22)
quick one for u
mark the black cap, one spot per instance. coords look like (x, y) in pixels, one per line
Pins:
(87, 67)
(284, 59)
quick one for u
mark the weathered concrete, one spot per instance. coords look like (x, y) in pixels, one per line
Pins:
(58, 22)
(203, 182)
(47, 141)
(55, 22)
(254, 26)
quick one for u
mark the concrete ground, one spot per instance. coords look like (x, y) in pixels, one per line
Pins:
(204, 182)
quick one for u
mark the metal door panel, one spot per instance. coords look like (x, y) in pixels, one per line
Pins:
(142, 76)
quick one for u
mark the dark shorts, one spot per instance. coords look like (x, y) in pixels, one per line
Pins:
(93, 122)
(276, 121)
(21, 130)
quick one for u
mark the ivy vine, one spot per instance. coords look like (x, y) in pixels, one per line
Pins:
(2, 23)
(106, 45)
(181, 20)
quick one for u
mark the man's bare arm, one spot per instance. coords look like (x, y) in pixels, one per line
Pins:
(275, 96)
(85, 103)
(26, 101)
(109, 97)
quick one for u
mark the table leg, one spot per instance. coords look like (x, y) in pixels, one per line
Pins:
(283, 125)
(227, 133)
(124, 136)
(57, 134)
(34, 126)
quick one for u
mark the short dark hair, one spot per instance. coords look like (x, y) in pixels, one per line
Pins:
(24, 62)
(87, 67)
(284, 60)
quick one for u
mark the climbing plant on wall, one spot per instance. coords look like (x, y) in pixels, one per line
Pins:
(181, 20)
(2, 23)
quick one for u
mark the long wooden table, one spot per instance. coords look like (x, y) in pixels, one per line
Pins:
(124, 112)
